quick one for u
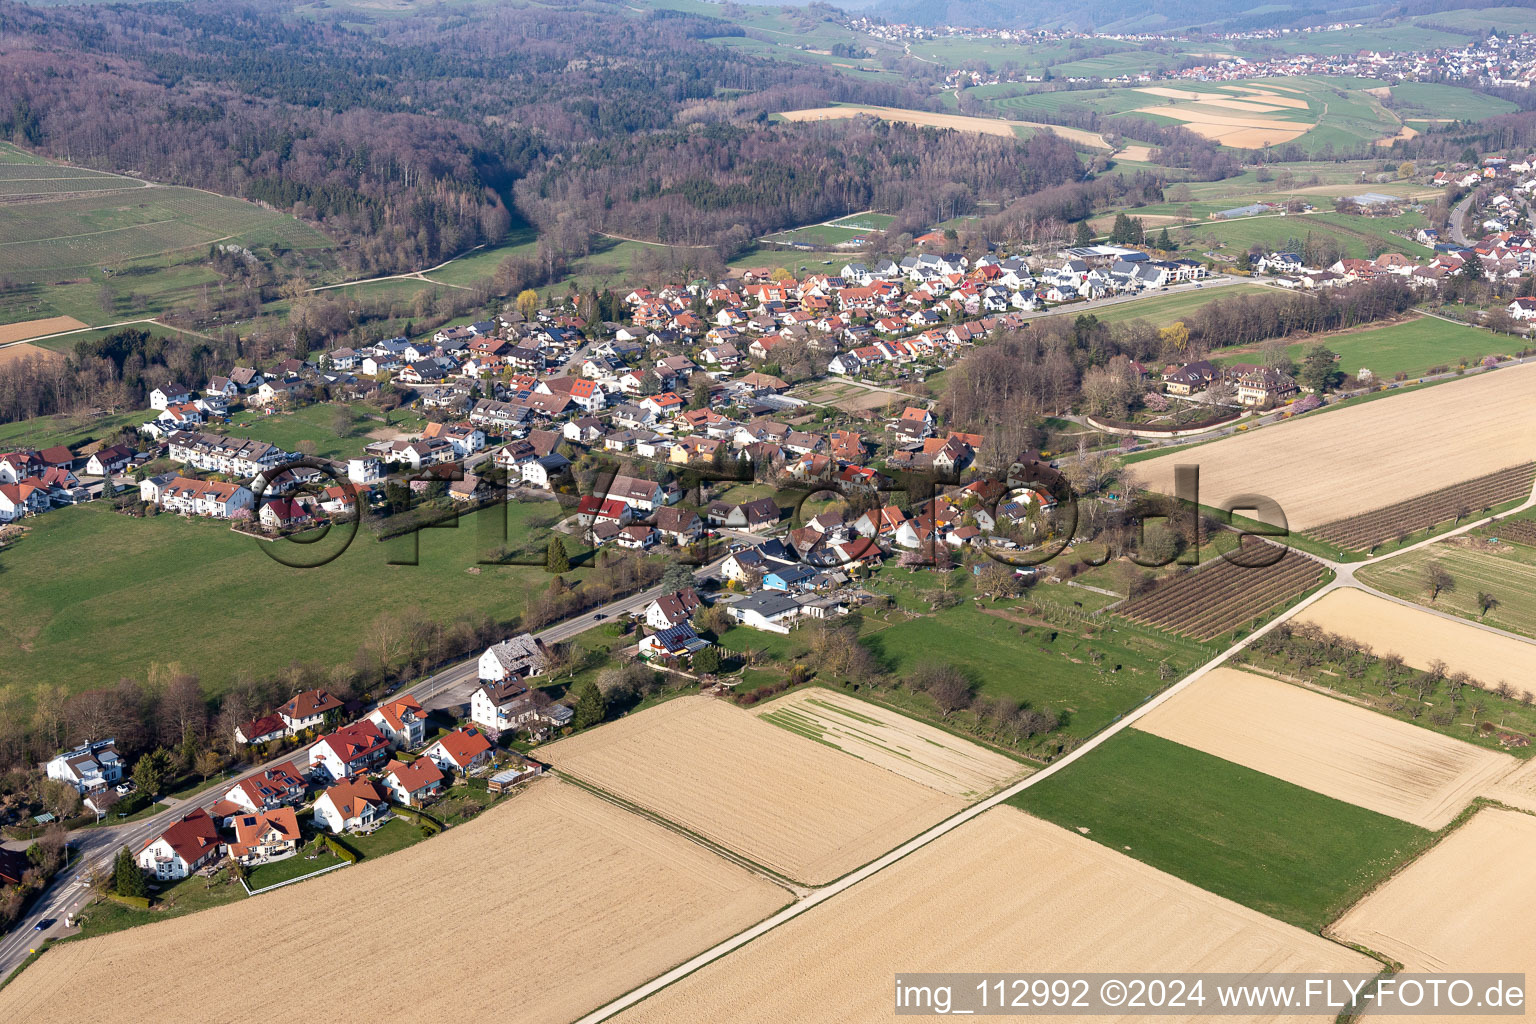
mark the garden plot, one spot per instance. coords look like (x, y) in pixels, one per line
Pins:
(790, 804)
(1003, 889)
(581, 899)
(1329, 746)
(1422, 637)
(911, 749)
(1325, 467)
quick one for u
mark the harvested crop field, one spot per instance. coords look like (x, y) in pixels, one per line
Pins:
(1222, 596)
(1006, 888)
(1517, 789)
(1341, 463)
(891, 740)
(573, 887)
(1421, 636)
(26, 350)
(37, 328)
(1485, 921)
(801, 809)
(1329, 746)
(1243, 131)
(1364, 532)
(959, 122)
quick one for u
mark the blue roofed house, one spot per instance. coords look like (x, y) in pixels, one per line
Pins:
(790, 577)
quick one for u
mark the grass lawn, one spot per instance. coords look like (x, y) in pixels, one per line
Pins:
(1508, 572)
(184, 897)
(1043, 665)
(1358, 236)
(315, 423)
(1411, 347)
(396, 834)
(1163, 310)
(73, 430)
(1285, 851)
(276, 871)
(88, 593)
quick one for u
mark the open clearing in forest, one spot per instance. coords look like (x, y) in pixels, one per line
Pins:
(1323, 468)
(1469, 904)
(1329, 746)
(889, 739)
(1004, 888)
(37, 328)
(797, 807)
(960, 122)
(587, 900)
(1422, 637)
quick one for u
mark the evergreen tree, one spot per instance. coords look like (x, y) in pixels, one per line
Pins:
(590, 706)
(707, 660)
(1164, 242)
(127, 879)
(1318, 371)
(555, 559)
(1084, 234)
(108, 488)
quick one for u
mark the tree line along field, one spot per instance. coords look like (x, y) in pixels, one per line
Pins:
(1002, 888)
(633, 897)
(1283, 850)
(1421, 637)
(1222, 596)
(1449, 504)
(94, 596)
(1410, 347)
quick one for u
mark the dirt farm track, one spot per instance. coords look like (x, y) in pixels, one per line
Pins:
(1333, 464)
(537, 911)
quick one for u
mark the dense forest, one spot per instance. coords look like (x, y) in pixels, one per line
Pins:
(724, 183)
(402, 137)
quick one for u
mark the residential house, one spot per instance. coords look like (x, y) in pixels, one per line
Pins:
(267, 789)
(187, 846)
(672, 643)
(307, 710)
(112, 459)
(267, 836)
(350, 750)
(413, 784)
(462, 751)
(88, 767)
(22, 499)
(679, 525)
(766, 610)
(261, 730)
(516, 658)
(402, 720)
(670, 609)
(351, 806)
(167, 395)
(1264, 385)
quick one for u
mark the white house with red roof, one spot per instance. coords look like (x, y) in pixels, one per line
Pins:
(413, 784)
(463, 750)
(267, 789)
(307, 710)
(350, 750)
(190, 844)
(268, 836)
(350, 806)
(403, 721)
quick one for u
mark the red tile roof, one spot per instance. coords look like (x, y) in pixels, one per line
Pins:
(463, 745)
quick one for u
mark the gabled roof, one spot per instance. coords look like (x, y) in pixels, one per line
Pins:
(350, 798)
(415, 776)
(251, 829)
(463, 745)
(191, 837)
(309, 703)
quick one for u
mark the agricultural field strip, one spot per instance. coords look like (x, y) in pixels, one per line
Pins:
(554, 870)
(699, 763)
(1330, 746)
(1468, 904)
(1210, 601)
(961, 122)
(891, 740)
(1003, 888)
(1517, 789)
(1421, 636)
(1313, 465)
(1365, 531)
